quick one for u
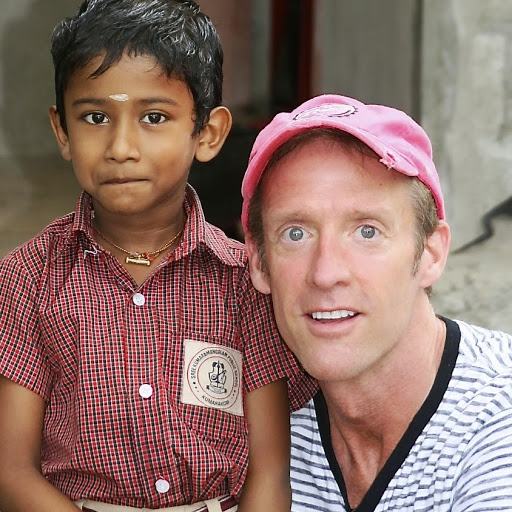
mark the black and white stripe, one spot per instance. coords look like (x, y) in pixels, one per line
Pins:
(457, 453)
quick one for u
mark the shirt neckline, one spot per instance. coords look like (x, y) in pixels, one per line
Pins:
(404, 446)
(197, 232)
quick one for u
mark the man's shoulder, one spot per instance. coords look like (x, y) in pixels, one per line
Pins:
(481, 382)
(304, 425)
(486, 348)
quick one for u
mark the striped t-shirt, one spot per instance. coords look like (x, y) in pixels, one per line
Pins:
(456, 454)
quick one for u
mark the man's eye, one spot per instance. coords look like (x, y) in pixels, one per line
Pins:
(295, 234)
(96, 118)
(367, 231)
(153, 118)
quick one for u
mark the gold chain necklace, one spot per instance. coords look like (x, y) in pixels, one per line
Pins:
(140, 258)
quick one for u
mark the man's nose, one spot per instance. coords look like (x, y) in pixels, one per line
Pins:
(329, 265)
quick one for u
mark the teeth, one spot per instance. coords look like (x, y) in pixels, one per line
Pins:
(332, 315)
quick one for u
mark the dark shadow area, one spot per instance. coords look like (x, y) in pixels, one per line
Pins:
(291, 53)
(219, 181)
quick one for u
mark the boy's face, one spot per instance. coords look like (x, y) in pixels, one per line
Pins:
(129, 136)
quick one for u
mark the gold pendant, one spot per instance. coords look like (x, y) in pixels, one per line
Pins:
(138, 259)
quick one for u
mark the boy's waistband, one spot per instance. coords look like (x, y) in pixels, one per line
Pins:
(223, 504)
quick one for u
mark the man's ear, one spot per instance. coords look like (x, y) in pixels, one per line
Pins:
(60, 134)
(435, 254)
(259, 276)
(213, 134)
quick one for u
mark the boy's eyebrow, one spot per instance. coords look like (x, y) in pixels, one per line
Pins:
(143, 101)
(158, 99)
(88, 101)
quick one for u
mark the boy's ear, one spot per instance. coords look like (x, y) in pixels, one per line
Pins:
(435, 255)
(213, 134)
(60, 134)
(259, 276)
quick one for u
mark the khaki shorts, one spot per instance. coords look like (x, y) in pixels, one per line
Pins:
(224, 504)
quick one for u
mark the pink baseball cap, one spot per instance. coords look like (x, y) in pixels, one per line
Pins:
(400, 142)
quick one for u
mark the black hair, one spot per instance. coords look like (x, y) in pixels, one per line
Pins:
(182, 39)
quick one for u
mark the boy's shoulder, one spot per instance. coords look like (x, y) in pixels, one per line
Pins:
(39, 251)
(200, 232)
(229, 251)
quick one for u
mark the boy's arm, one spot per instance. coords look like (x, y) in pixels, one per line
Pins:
(267, 486)
(22, 487)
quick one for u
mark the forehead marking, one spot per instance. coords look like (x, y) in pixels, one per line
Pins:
(119, 97)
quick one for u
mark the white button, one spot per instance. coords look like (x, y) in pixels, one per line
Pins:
(162, 486)
(145, 391)
(139, 299)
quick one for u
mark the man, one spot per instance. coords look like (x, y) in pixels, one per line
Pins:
(345, 227)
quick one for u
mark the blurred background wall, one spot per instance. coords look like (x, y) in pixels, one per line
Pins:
(448, 63)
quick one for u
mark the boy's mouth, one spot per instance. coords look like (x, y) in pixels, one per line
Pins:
(122, 181)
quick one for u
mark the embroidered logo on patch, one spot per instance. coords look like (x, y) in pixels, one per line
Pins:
(328, 110)
(212, 377)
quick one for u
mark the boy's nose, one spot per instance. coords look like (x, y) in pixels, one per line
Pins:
(123, 144)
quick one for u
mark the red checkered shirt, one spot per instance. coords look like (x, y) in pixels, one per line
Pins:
(108, 358)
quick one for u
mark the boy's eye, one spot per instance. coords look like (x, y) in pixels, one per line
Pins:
(368, 232)
(294, 234)
(153, 118)
(96, 118)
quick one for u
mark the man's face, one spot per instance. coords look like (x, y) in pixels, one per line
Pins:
(340, 246)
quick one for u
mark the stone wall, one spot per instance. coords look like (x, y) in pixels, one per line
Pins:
(26, 77)
(369, 49)
(448, 63)
(467, 106)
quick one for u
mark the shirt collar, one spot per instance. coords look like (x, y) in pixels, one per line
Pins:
(200, 233)
(197, 233)
(83, 214)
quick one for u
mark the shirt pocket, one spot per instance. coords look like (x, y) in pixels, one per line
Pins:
(210, 397)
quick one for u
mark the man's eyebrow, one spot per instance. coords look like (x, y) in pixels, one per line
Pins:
(298, 216)
(305, 215)
(371, 212)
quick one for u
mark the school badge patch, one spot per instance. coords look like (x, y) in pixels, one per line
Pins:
(212, 377)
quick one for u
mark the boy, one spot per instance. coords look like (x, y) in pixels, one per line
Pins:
(132, 341)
